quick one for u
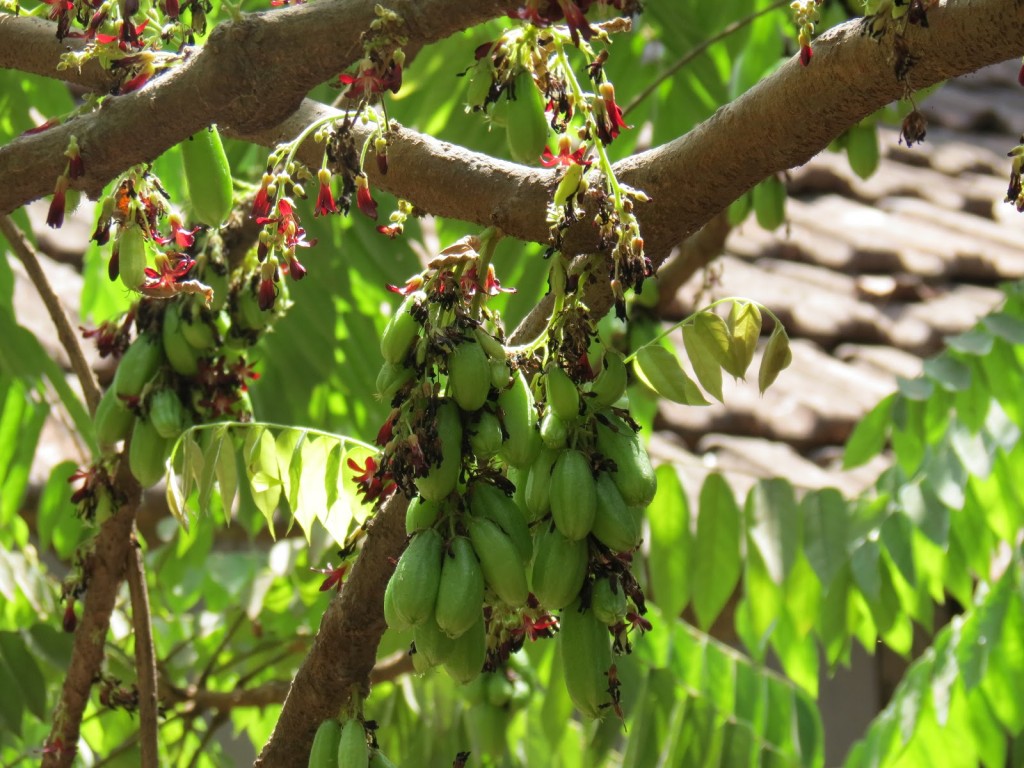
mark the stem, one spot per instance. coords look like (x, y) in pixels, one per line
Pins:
(145, 657)
(697, 50)
(489, 240)
(68, 339)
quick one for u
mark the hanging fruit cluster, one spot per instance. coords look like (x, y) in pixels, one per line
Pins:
(528, 485)
(347, 744)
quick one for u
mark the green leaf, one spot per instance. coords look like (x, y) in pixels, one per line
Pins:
(774, 525)
(745, 329)
(716, 551)
(670, 544)
(227, 474)
(31, 686)
(825, 516)
(777, 357)
(1006, 326)
(952, 375)
(659, 369)
(704, 361)
(868, 438)
(716, 336)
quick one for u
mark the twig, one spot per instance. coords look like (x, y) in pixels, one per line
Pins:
(204, 676)
(214, 725)
(697, 50)
(68, 338)
(397, 664)
(145, 657)
(104, 569)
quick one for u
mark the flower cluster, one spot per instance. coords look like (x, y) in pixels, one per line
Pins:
(806, 16)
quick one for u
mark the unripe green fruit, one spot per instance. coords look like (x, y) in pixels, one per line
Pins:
(167, 413)
(442, 479)
(538, 483)
(487, 726)
(526, 128)
(770, 202)
(500, 373)
(616, 525)
(416, 578)
(391, 616)
(499, 560)
(608, 602)
(401, 330)
(467, 660)
(469, 375)
(573, 495)
(610, 383)
(421, 514)
(522, 440)
(433, 644)
(862, 149)
(633, 475)
(499, 689)
(324, 753)
(586, 657)
(147, 453)
(489, 501)
(553, 430)
(182, 356)
(559, 569)
(208, 175)
(113, 419)
(138, 365)
(460, 593)
(196, 329)
(562, 395)
(392, 378)
(353, 751)
(131, 256)
(495, 351)
(485, 435)
(379, 760)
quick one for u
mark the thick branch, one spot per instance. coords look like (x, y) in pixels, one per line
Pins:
(343, 655)
(781, 123)
(250, 74)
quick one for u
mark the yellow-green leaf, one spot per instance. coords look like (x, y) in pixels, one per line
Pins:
(660, 370)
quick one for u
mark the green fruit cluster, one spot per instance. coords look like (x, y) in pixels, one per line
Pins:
(345, 745)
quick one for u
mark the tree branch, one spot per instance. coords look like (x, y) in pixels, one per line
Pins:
(783, 122)
(345, 649)
(236, 80)
(104, 568)
(145, 657)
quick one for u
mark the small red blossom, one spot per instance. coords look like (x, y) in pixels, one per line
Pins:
(55, 216)
(294, 267)
(541, 627)
(412, 285)
(564, 156)
(370, 80)
(636, 621)
(136, 82)
(267, 294)
(261, 203)
(334, 576)
(364, 199)
(1020, 75)
(180, 237)
(70, 620)
(172, 8)
(470, 283)
(170, 271)
(805, 54)
(44, 127)
(86, 478)
(386, 431)
(220, 403)
(372, 484)
(325, 198)
(608, 115)
(76, 166)
(391, 230)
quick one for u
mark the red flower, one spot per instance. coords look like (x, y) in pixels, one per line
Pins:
(55, 216)
(386, 431)
(364, 199)
(805, 54)
(163, 282)
(564, 156)
(40, 128)
(608, 115)
(470, 283)
(370, 81)
(325, 198)
(412, 285)
(334, 576)
(267, 294)
(294, 267)
(69, 623)
(391, 230)
(372, 484)
(181, 237)
(261, 203)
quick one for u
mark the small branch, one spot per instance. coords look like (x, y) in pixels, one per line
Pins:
(211, 729)
(205, 674)
(68, 338)
(271, 692)
(145, 657)
(104, 569)
(697, 50)
(397, 664)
